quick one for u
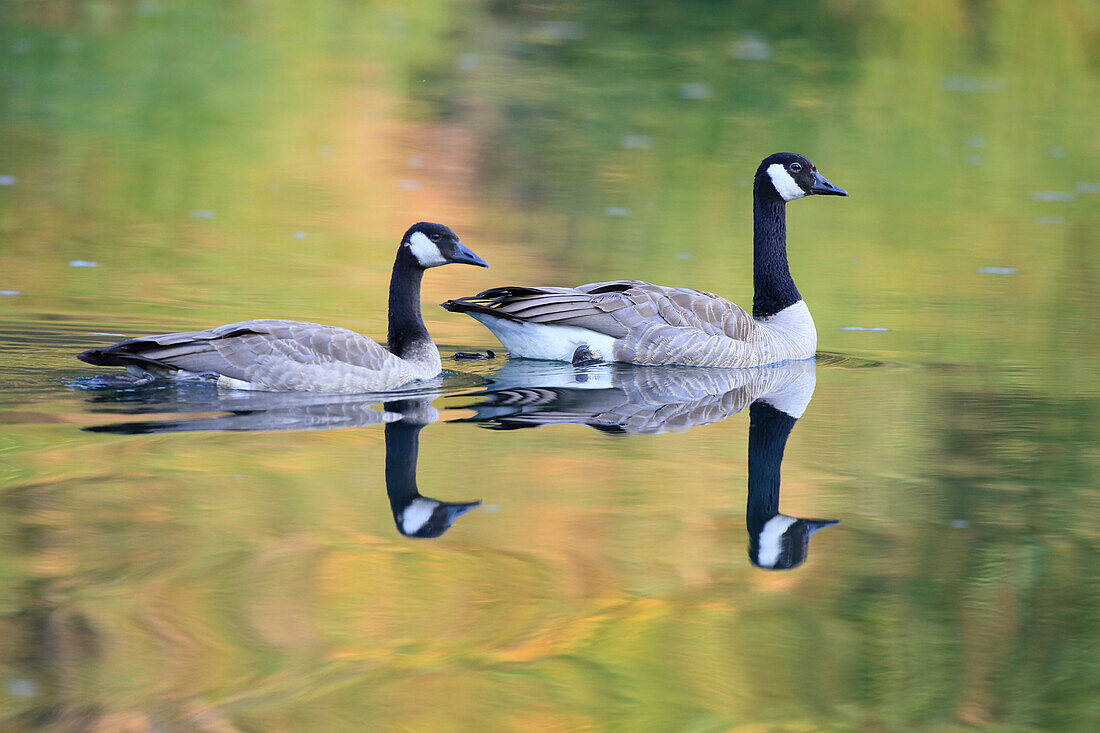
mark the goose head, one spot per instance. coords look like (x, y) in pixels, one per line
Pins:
(433, 245)
(792, 176)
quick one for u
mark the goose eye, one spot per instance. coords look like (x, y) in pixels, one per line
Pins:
(435, 237)
(796, 167)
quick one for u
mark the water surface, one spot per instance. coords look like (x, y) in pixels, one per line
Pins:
(180, 558)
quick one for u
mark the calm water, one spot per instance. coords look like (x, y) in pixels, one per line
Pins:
(184, 559)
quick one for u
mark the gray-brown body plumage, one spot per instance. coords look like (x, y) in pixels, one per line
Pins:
(274, 356)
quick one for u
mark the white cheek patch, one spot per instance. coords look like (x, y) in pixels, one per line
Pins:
(425, 251)
(784, 184)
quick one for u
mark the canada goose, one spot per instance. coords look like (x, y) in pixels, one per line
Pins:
(292, 356)
(621, 399)
(641, 323)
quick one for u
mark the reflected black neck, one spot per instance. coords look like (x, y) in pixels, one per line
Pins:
(773, 288)
(402, 450)
(768, 432)
(406, 321)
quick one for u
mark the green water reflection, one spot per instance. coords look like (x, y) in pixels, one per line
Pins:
(227, 161)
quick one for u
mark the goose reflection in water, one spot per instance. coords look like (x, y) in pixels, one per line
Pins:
(633, 399)
(415, 515)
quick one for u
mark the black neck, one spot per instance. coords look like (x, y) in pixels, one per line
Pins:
(773, 288)
(406, 322)
(768, 432)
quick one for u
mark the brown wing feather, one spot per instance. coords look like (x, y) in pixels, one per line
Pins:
(614, 307)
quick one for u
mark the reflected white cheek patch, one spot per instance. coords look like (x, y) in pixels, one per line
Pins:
(783, 182)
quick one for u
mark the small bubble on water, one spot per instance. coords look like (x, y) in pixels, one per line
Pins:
(22, 687)
(619, 211)
(683, 255)
(9, 292)
(750, 46)
(83, 263)
(694, 90)
(637, 142)
(299, 235)
(1049, 220)
(556, 31)
(7, 180)
(201, 214)
(1088, 187)
(959, 524)
(863, 328)
(972, 84)
(997, 270)
(468, 62)
(974, 160)
(1052, 196)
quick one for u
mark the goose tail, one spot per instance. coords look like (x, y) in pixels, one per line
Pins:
(475, 304)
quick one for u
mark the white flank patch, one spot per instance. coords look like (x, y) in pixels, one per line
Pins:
(545, 341)
(783, 183)
(417, 514)
(425, 251)
(233, 383)
(771, 540)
